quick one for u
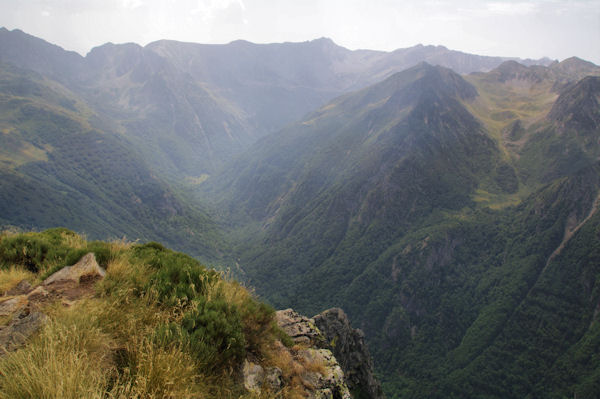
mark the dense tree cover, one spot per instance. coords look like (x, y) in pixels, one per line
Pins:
(440, 234)
(58, 170)
(430, 206)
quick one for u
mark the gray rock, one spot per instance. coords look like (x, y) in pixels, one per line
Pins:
(273, 378)
(254, 376)
(327, 383)
(330, 383)
(12, 305)
(16, 333)
(300, 328)
(350, 350)
(86, 269)
(20, 289)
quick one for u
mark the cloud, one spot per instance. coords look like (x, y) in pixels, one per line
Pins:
(512, 9)
(132, 4)
(209, 9)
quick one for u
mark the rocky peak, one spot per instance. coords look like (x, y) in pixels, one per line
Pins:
(576, 65)
(349, 348)
(513, 71)
(578, 106)
(339, 346)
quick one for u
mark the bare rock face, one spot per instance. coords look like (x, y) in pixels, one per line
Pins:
(20, 289)
(329, 382)
(23, 325)
(254, 376)
(300, 328)
(87, 269)
(349, 367)
(350, 350)
(331, 332)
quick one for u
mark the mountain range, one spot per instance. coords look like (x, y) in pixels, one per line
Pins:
(446, 201)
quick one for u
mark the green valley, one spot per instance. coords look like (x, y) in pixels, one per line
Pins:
(447, 202)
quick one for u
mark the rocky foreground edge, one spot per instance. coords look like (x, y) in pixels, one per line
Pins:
(329, 339)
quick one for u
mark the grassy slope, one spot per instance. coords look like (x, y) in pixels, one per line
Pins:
(159, 325)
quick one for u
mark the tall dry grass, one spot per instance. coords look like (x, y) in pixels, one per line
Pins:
(12, 276)
(69, 358)
(105, 346)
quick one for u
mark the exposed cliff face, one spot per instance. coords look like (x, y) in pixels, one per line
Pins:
(351, 351)
(348, 371)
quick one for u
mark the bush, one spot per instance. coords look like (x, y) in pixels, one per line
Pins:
(257, 319)
(212, 332)
(50, 249)
(25, 250)
(179, 278)
(101, 250)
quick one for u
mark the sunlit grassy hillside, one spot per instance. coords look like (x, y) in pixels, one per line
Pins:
(159, 325)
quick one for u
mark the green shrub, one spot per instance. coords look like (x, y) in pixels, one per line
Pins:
(212, 332)
(257, 319)
(58, 235)
(101, 250)
(179, 278)
(26, 250)
(152, 245)
(50, 249)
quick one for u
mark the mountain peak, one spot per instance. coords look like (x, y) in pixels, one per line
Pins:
(30, 52)
(511, 65)
(578, 106)
(443, 81)
(324, 40)
(576, 65)
(513, 70)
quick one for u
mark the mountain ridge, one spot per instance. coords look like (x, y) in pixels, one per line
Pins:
(426, 203)
(408, 204)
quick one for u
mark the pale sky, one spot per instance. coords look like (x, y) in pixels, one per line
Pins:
(528, 29)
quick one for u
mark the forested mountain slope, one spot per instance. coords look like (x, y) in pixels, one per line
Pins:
(58, 169)
(453, 217)
(445, 214)
(191, 107)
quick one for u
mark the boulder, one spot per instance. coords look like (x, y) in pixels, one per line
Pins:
(20, 289)
(12, 305)
(253, 376)
(300, 328)
(87, 269)
(19, 330)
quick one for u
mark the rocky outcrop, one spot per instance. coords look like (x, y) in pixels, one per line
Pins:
(349, 348)
(335, 355)
(255, 377)
(21, 304)
(327, 378)
(21, 327)
(87, 269)
(300, 328)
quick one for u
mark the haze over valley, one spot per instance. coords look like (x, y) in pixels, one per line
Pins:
(448, 202)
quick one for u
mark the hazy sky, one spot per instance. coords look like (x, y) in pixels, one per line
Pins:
(535, 28)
